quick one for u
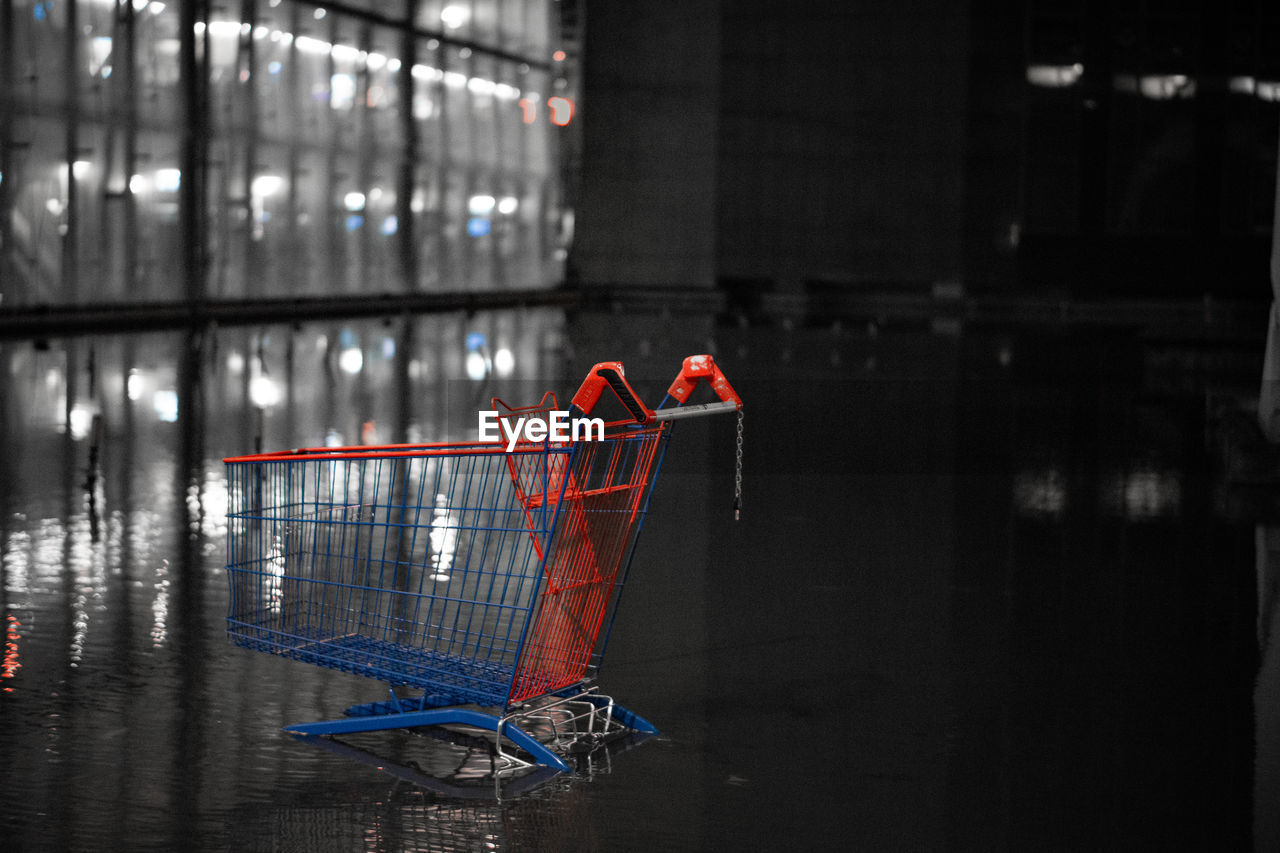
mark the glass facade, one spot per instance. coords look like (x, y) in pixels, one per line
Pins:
(158, 152)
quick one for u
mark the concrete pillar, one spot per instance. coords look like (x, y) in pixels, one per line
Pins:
(646, 205)
(1269, 394)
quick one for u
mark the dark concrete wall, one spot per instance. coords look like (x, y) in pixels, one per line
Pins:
(842, 140)
(646, 203)
(768, 140)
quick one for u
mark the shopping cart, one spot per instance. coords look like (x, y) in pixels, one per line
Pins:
(486, 574)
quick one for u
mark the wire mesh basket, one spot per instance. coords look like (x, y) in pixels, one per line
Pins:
(484, 574)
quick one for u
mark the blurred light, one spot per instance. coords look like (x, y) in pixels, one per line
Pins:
(503, 362)
(1164, 87)
(165, 403)
(99, 51)
(476, 341)
(199, 28)
(235, 363)
(139, 5)
(476, 366)
(333, 438)
(375, 194)
(168, 180)
(80, 420)
(478, 227)
(1040, 492)
(274, 565)
(455, 80)
(261, 32)
(1054, 76)
(263, 392)
(224, 29)
(481, 205)
(80, 169)
(1242, 85)
(353, 201)
(54, 206)
(306, 44)
(506, 91)
(345, 53)
(390, 225)
(135, 385)
(40, 11)
(1268, 90)
(342, 91)
(319, 13)
(481, 86)
(393, 65)
(265, 185)
(156, 8)
(443, 536)
(423, 108)
(508, 204)
(274, 67)
(388, 348)
(529, 108)
(558, 56)
(454, 16)
(354, 221)
(160, 607)
(561, 110)
(1146, 493)
(351, 361)
(375, 61)
(11, 657)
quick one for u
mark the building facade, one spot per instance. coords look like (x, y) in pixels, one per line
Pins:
(154, 152)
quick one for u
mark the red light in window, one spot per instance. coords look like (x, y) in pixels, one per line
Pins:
(558, 56)
(530, 110)
(561, 110)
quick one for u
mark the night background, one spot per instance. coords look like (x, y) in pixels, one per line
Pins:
(994, 281)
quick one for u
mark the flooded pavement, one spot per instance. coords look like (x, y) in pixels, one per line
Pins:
(989, 591)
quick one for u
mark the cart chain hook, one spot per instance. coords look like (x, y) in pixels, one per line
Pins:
(737, 474)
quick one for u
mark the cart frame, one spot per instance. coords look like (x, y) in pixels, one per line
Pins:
(544, 534)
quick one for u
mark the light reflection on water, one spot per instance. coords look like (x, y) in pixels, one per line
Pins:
(872, 656)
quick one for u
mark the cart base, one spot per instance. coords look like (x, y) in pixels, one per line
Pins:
(438, 717)
(403, 714)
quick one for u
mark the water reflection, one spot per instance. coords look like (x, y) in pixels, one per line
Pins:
(981, 603)
(1266, 789)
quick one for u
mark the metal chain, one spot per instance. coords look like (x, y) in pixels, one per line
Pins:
(737, 474)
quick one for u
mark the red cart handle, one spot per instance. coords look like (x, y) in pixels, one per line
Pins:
(702, 367)
(609, 374)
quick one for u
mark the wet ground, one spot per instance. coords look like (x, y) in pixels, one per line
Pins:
(990, 591)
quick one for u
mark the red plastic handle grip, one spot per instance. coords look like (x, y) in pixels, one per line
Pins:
(609, 374)
(702, 367)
